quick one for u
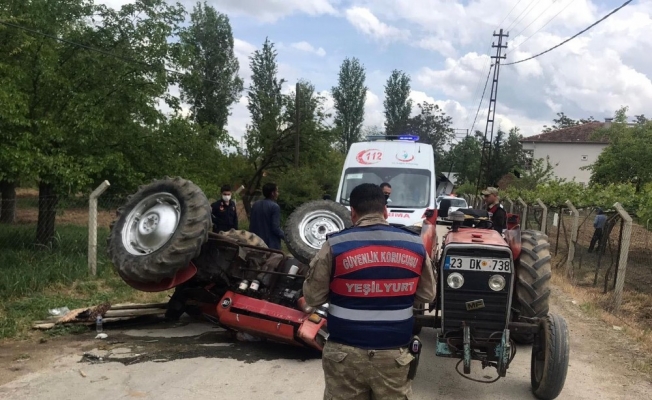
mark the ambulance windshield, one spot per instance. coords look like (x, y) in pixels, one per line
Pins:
(410, 187)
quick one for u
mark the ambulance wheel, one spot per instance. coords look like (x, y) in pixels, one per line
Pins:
(308, 225)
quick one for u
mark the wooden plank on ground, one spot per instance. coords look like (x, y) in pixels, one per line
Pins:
(134, 313)
(137, 306)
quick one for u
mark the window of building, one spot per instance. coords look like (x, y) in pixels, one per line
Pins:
(529, 156)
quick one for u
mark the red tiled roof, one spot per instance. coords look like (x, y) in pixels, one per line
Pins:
(574, 134)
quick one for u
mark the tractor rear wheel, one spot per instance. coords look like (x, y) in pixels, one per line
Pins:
(533, 275)
(160, 229)
(550, 353)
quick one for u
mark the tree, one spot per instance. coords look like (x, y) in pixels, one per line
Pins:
(625, 160)
(83, 108)
(212, 83)
(316, 138)
(563, 121)
(507, 155)
(349, 96)
(398, 105)
(433, 126)
(269, 139)
(464, 159)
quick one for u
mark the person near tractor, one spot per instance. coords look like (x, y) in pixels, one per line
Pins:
(387, 190)
(370, 275)
(224, 213)
(598, 224)
(496, 210)
(265, 218)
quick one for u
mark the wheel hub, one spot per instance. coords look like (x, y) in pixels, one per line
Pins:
(151, 224)
(316, 225)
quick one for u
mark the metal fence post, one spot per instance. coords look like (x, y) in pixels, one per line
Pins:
(92, 226)
(511, 204)
(573, 237)
(624, 252)
(520, 200)
(544, 216)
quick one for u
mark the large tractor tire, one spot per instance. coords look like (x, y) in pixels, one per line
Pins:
(550, 356)
(160, 229)
(533, 275)
(308, 225)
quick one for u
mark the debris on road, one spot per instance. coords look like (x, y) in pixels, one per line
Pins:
(109, 313)
(101, 336)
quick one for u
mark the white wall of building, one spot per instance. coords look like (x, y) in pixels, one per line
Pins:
(570, 156)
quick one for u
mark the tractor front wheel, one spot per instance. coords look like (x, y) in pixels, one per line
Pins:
(550, 354)
(533, 275)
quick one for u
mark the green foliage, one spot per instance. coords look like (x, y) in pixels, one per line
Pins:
(212, 84)
(398, 105)
(349, 96)
(433, 126)
(626, 159)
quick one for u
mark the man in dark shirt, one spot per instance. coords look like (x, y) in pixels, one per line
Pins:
(265, 219)
(598, 223)
(496, 211)
(223, 212)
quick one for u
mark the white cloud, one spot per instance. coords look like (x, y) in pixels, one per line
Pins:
(308, 48)
(366, 22)
(459, 78)
(273, 10)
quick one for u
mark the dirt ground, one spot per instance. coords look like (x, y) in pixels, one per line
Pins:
(193, 360)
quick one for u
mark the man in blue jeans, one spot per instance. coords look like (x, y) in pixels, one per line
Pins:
(598, 223)
(265, 218)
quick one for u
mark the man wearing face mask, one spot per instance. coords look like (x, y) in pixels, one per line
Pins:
(387, 191)
(224, 214)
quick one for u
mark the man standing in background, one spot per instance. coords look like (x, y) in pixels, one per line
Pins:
(265, 219)
(224, 213)
(598, 223)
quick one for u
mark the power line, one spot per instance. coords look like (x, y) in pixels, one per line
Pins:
(526, 14)
(510, 11)
(540, 15)
(481, 99)
(519, 16)
(574, 36)
(543, 26)
(100, 51)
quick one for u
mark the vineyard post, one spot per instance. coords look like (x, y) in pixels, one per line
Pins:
(524, 205)
(624, 252)
(573, 237)
(511, 204)
(544, 216)
(92, 226)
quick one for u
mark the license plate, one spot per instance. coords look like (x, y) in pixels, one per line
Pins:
(478, 264)
(474, 305)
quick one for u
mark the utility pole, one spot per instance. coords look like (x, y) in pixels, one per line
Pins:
(298, 125)
(485, 160)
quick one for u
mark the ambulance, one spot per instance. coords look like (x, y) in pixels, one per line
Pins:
(407, 165)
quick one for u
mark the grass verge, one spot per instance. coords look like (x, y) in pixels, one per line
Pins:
(36, 279)
(630, 320)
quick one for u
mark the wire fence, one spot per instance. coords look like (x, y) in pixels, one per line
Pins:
(50, 236)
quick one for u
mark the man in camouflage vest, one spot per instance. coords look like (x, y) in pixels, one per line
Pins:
(371, 275)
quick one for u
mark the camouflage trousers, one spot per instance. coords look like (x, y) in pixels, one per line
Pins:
(356, 374)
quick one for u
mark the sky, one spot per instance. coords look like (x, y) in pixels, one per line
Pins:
(445, 47)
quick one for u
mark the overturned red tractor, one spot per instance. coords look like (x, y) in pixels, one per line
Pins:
(493, 290)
